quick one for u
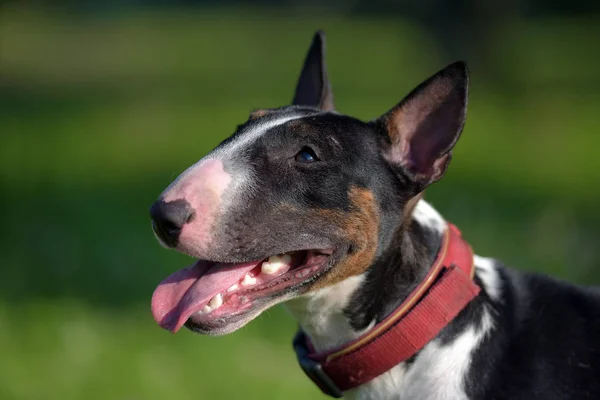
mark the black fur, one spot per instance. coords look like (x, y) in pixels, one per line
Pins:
(544, 344)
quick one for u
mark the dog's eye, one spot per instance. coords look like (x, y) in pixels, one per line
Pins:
(306, 155)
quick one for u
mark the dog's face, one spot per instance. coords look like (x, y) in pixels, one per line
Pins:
(299, 198)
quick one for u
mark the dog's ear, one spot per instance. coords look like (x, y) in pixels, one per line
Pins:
(425, 125)
(313, 88)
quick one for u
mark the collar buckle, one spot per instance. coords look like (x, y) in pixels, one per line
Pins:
(313, 369)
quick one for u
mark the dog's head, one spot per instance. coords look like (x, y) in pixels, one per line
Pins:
(299, 198)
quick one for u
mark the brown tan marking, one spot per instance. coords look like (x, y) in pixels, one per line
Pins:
(361, 227)
(256, 114)
(409, 208)
(298, 125)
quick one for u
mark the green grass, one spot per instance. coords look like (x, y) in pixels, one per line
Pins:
(97, 116)
(78, 351)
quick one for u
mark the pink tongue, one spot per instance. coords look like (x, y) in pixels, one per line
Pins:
(187, 291)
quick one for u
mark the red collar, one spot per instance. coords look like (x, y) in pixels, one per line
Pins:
(444, 292)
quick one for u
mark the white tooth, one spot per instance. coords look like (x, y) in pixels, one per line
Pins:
(283, 259)
(234, 287)
(275, 263)
(216, 301)
(206, 309)
(270, 268)
(248, 280)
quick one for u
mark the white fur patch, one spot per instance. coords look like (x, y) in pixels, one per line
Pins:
(321, 314)
(486, 271)
(242, 179)
(246, 138)
(438, 372)
(428, 217)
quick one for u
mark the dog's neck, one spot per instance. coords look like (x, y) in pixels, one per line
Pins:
(340, 313)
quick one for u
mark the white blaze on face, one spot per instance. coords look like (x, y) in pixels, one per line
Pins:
(246, 138)
(214, 183)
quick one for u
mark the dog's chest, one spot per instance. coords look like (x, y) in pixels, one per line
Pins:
(437, 374)
(440, 370)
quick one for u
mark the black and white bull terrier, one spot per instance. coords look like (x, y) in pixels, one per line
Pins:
(321, 211)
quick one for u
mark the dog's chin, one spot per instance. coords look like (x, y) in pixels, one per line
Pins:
(231, 323)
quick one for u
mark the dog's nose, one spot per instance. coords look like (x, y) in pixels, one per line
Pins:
(169, 218)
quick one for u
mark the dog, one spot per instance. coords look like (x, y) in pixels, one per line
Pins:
(324, 212)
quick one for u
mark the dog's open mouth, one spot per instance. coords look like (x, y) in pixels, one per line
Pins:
(208, 291)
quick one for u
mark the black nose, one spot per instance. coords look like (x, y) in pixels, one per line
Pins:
(169, 218)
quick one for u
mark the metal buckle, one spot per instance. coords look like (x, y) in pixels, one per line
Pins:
(313, 369)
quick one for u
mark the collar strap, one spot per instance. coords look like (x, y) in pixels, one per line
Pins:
(446, 289)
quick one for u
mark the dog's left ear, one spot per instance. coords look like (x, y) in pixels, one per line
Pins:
(313, 88)
(424, 127)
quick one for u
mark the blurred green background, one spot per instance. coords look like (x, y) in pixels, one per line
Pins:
(102, 104)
